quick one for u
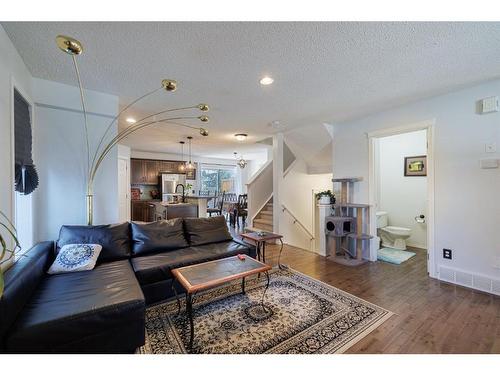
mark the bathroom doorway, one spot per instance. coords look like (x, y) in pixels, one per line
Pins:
(401, 194)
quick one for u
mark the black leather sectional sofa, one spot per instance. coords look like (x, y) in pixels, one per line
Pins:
(103, 310)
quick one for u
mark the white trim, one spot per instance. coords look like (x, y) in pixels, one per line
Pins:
(289, 167)
(261, 207)
(372, 185)
(127, 186)
(14, 85)
(258, 173)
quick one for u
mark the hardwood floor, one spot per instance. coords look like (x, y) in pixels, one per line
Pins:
(430, 316)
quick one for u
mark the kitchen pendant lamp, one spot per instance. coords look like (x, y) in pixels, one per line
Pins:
(182, 165)
(189, 165)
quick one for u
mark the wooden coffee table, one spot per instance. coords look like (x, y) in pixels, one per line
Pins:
(203, 276)
(260, 243)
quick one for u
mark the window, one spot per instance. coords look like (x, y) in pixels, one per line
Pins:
(25, 174)
(219, 178)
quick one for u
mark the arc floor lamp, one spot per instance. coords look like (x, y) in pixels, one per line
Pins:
(95, 157)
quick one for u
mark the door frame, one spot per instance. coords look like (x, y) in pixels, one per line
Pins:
(127, 187)
(373, 138)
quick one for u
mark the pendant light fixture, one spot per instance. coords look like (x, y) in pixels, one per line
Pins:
(182, 165)
(242, 163)
(189, 165)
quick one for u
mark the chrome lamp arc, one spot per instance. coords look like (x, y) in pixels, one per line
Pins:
(95, 157)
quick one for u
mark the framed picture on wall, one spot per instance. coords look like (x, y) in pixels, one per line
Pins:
(416, 166)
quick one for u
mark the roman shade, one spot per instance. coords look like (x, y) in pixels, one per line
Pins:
(26, 177)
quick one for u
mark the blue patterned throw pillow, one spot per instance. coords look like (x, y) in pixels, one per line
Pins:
(75, 257)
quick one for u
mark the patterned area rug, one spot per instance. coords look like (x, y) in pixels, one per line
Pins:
(302, 315)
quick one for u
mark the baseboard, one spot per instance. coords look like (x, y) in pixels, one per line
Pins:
(469, 280)
(417, 245)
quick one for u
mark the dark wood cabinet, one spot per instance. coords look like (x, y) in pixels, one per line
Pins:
(144, 172)
(147, 172)
(151, 171)
(137, 172)
(143, 211)
(168, 166)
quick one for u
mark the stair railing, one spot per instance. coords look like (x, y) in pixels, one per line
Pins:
(297, 221)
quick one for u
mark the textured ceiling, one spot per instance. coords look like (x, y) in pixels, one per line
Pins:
(324, 72)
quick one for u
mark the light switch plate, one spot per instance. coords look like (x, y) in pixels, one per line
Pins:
(490, 147)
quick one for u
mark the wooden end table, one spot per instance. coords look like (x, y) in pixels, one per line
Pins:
(207, 275)
(260, 243)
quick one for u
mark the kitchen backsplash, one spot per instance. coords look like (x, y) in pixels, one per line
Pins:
(146, 191)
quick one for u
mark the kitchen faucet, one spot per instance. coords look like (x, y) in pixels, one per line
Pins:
(183, 192)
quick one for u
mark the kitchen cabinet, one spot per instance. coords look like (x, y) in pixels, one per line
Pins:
(144, 172)
(147, 172)
(143, 211)
(168, 166)
(137, 172)
(151, 171)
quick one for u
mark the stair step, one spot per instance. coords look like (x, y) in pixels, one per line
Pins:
(263, 221)
(266, 228)
(266, 213)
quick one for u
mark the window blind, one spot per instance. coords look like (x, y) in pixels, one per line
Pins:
(26, 177)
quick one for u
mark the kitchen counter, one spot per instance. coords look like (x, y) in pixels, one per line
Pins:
(174, 210)
(201, 196)
(201, 201)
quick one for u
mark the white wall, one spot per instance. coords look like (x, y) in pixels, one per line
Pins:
(59, 147)
(252, 168)
(403, 197)
(467, 208)
(12, 72)
(296, 194)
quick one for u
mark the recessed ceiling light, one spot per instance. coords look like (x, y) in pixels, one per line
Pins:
(130, 120)
(240, 137)
(266, 80)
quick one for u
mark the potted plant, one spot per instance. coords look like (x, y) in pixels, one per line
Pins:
(5, 253)
(189, 187)
(325, 197)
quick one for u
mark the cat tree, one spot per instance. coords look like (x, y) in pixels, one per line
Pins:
(346, 230)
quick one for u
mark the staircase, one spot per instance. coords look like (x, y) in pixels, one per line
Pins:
(264, 219)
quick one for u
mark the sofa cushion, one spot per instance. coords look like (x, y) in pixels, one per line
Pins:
(158, 236)
(21, 280)
(114, 239)
(154, 268)
(75, 258)
(200, 231)
(69, 309)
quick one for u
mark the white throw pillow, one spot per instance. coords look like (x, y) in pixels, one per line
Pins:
(75, 257)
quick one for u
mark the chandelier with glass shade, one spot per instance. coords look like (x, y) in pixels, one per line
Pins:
(242, 163)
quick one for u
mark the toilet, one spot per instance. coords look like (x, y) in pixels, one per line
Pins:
(394, 237)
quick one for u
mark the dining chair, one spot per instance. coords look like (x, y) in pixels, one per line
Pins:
(241, 210)
(218, 205)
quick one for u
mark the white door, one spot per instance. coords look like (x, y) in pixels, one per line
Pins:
(123, 190)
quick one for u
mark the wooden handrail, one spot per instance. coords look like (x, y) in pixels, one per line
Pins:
(297, 221)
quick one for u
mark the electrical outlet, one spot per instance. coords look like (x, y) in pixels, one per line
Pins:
(447, 253)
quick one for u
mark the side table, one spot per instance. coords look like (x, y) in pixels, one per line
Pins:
(260, 243)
